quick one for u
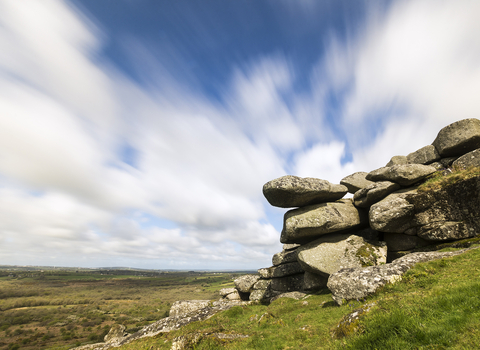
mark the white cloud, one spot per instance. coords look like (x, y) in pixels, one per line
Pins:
(47, 45)
(68, 193)
(257, 103)
(43, 144)
(412, 69)
(323, 161)
(419, 60)
(36, 225)
(194, 191)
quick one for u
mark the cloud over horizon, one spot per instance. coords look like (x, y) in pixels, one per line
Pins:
(134, 159)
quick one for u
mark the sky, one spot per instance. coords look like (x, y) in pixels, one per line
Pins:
(139, 133)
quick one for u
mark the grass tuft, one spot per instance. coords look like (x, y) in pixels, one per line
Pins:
(439, 179)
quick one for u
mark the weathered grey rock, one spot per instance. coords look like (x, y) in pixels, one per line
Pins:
(446, 162)
(233, 296)
(397, 160)
(245, 283)
(458, 138)
(357, 283)
(262, 284)
(315, 220)
(378, 174)
(263, 295)
(368, 234)
(288, 283)
(449, 213)
(230, 294)
(471, 159)
(226, 291)
(446, 230)
(392, 214)
(331, 253)
(184, 307)
(283, 270)
(399, 241)
(265, 289)
(424, 155)
(287, 247)
(411, 231)
(116, 333)
(405, 175)
(373, 193)
(293, 191)
(167, 324)
(437, 165)
(356, 181)
(284, 257)
(291, 295)
(313, 282)
(259, 294)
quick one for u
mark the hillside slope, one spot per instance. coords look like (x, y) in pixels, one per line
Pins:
(435, 306)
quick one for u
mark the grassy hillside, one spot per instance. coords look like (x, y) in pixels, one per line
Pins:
(435, 306)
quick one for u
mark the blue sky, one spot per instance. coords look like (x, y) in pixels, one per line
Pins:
(140, 133)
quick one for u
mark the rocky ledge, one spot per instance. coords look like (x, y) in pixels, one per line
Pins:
(183, 312)
(350, 245)
(353, 283)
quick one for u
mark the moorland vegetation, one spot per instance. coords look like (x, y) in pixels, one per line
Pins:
(61, 309)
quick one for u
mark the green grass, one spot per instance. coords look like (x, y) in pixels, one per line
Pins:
(286, 324)
(435, 306)
(438, 180)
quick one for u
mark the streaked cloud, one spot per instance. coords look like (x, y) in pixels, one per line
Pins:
(99, 169)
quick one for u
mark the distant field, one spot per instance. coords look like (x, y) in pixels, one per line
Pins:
(59, 309)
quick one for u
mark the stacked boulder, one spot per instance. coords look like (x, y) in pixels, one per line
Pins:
(386, 218)
(322, 235)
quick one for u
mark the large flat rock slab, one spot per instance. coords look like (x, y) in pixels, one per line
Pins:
(245, 283)
(285, 256)
(424, 155)
(292, 191)
(373, 193)
(265, 289)
(307, 223)
(356, 181)
(470, 159)
(333, 252)
(397, 160)
(392, 214)
(404, 175)
(283, 270)
(458, 138)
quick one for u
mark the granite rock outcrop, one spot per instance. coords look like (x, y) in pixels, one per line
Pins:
(328, 238)
(357, 283)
